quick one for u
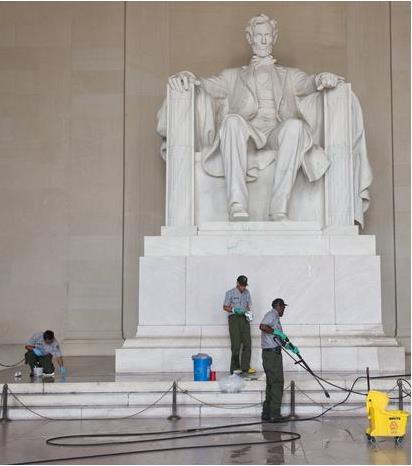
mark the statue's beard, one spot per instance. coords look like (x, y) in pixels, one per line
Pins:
(262, 50)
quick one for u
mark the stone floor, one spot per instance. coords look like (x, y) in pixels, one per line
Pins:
(330, 440)
(79, 369)
(94, 369)
(327, 441)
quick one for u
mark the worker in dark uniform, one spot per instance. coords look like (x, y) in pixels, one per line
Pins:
(238, 304)
(272, 361)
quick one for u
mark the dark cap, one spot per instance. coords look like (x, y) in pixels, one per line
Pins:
(242, 280)
(278, 302)
(48, 335)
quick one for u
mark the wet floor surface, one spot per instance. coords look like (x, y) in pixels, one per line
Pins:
(337, 440)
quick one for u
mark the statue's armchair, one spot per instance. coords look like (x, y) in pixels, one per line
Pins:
(339, 198)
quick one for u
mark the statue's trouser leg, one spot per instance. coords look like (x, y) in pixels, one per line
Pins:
(289, 140)
(234, 134)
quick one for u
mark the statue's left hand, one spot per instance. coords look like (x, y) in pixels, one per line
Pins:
(180, 82)
(327, 81)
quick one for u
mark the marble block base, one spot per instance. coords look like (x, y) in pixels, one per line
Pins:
(330, 280)
(157, 354)
(320, 289)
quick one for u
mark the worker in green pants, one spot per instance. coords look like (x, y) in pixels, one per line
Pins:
(238, 304)
(272, 361)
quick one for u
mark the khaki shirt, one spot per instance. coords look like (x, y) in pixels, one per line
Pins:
(235, 298)
(272, 319)
(38, 341)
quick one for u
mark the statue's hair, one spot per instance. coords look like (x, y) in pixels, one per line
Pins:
(261, 19)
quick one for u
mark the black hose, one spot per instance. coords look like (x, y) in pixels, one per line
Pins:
(317, 377)
(293, 436)
(12, 365)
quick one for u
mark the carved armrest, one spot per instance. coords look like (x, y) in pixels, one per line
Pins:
(339, 193)
(180, 158)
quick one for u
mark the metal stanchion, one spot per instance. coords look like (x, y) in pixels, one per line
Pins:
(292, 414)
(174, 416)
(400, 390)
(368, 379)
(4, 404)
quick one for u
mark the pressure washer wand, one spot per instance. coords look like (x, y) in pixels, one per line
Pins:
(306, 366)
(284, 341)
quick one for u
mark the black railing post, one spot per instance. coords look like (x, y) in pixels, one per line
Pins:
(400, 389)
(368, 379)
(4, 404)
(292, 414)
(174, 416)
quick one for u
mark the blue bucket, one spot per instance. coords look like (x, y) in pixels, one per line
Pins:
(201, 367)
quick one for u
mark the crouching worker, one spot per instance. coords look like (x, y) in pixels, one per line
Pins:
(272, 361)
(41, 348)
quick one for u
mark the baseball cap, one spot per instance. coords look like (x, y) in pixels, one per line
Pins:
(278, 302)
(242, 280)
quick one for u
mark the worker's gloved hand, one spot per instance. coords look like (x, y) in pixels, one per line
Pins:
(39, 352)
(238, 310)
(292, 348)
(63, 371)
(280, 334)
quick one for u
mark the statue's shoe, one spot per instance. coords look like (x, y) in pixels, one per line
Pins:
(238, 213)
(240, 217)
(279, 217)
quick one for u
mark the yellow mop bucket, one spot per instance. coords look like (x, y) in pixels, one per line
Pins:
(382, 422)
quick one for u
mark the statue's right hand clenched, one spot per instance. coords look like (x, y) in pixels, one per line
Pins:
(181, 81)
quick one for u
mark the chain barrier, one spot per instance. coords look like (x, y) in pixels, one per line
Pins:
(176, 388)
(89, 419)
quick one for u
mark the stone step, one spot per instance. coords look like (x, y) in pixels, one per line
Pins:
(147, 355)
(254, 243)
(94, 400)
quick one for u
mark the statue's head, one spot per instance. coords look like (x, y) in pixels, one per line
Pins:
(262, 33)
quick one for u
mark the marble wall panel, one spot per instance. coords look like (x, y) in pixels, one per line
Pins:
(401, 85)
(299, 280)
(369, 70)
(358, 290)
(61, 167)
(27, 308)
(95, 169)
(40, 26)
(147, 69)
(93, 285)
(106, 322)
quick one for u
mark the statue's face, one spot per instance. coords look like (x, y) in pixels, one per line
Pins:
(262, 40)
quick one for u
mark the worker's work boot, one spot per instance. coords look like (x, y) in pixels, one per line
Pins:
(279, 418)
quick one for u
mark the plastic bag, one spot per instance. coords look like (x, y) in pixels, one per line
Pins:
(231, 384)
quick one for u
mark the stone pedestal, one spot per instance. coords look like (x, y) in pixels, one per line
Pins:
(330, 277)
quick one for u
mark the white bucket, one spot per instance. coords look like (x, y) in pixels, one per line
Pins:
(38, 371)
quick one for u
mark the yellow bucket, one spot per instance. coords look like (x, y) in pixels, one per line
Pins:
(382, 422)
